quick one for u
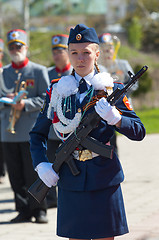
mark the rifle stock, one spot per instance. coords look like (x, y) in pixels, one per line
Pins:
(64, 153)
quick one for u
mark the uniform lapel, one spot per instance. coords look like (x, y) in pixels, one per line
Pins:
(70, 108)
(86, 99)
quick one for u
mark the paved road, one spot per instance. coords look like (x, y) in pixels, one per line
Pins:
(140, 161)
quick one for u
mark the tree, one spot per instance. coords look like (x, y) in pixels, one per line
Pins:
(144, 84)
(135, 33)
(141, 27)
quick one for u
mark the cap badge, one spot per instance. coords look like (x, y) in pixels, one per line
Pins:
(107, 38)
(56, 40)
(78, 37)
(14, 35)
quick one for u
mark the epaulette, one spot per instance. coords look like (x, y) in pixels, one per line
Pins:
(49, 90)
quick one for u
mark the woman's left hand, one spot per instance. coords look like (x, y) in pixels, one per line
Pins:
(107, 112)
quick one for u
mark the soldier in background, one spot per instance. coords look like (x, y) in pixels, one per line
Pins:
(62, 68)
(32, 77)
(2, 167)
(118, 68)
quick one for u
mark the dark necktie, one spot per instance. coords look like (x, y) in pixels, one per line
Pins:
(82, 86)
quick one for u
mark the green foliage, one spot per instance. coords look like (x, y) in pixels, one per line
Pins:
(127, 52)
(135, 33)
(136, 57)
(150, 119)
(145, 83)
(139, 17)
(150, 6)
(40, 48)
(151, 35)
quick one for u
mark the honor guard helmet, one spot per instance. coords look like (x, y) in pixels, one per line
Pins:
(111, 41)
(1, 45)
(60, 41)
(81, 34)
(106, 38)
(17, 36)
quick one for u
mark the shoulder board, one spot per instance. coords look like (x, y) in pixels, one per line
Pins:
(48, 92)
(55, 80)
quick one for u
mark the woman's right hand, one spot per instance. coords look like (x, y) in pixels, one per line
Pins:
(47, 174)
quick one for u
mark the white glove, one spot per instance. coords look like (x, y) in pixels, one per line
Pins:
(47, 174)
(107, 112)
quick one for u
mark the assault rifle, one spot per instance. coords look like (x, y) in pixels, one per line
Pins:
(80, 138)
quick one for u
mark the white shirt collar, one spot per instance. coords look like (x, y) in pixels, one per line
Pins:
(87, 78)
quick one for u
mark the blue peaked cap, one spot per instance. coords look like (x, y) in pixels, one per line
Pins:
(81, 34)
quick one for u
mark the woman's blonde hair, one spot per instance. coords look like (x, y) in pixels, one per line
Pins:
(97, 49)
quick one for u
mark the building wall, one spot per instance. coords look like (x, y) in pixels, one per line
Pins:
(116, 10)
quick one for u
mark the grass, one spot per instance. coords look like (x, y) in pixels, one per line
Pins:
(135, 57)
(150, 119)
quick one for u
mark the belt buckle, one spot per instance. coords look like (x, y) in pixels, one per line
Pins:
(85, 155)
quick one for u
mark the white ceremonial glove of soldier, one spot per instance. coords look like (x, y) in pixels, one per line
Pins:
(107, 112)
(47, 174)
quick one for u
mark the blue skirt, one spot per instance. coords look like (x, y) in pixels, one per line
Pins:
(91, 214)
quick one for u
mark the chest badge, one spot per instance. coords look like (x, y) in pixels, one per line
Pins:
(30, 83)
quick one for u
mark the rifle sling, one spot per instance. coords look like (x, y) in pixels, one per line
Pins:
(97, 147)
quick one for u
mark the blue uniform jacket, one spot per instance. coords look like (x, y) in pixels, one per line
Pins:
(99, 172)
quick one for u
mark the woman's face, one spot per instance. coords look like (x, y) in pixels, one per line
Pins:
(83, 56)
